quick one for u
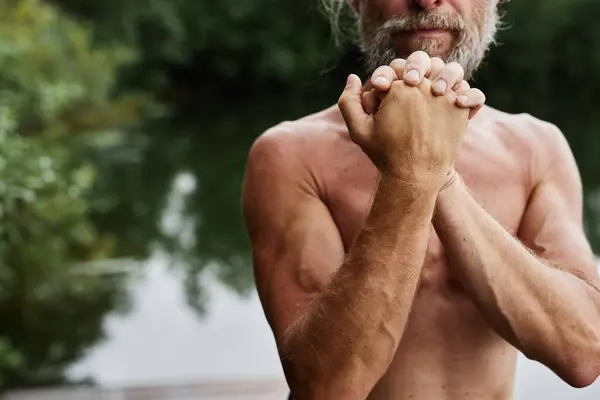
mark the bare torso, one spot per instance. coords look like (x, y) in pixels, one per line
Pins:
(448, 351)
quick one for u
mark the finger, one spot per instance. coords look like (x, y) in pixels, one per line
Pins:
(448, 79)
(463, 86)
(418, 64)
(473, 99)
(370, 101)
(383, 77)
(398, 65)
(350, 104)
(437, 65)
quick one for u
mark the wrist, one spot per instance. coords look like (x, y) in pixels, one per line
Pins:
(449, 201)
(417, 179)
(451, 178)
(404, 194)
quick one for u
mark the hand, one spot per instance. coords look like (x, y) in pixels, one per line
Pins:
(445, 77)
(413, 136)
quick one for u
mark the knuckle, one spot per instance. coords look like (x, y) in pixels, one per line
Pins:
(419, 54)
(462, 87)
(387, 71)
(480, 96)
(383, 71)
(455, 68)
(378, 71)
(418, 58)
(398, 66)
(444, 74)
(343, 100)
(397, 86)
(398, 63)
(412, 64)
(475, 97)
(437, 65)
(397, 90)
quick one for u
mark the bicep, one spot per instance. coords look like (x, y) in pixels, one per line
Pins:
(296, 245)
(552, 225)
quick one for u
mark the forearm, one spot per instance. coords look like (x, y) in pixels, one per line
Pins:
(347, 338)
(550, 315)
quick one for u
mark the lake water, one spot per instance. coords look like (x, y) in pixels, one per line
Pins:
(161, 341)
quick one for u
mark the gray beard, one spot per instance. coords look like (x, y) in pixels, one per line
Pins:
(468, 50)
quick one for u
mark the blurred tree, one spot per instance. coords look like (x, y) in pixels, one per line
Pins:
(225, 72)
(544, 66)
(228, 70)
(54, 89)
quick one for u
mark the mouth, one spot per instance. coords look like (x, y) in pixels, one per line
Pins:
(429, 33)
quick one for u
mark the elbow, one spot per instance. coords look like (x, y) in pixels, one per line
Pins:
(308, 383)
(304, 374)
(302, 380)
(582, 378)
(585, 370)
(314, 373)
(313, 378)
(304, 388)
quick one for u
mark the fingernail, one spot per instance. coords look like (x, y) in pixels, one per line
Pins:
(440, 86)
(349, 80)
(462, 99)
(382, 80)
(412, 75)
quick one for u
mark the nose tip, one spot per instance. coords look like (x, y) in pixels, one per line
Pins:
(426, 4)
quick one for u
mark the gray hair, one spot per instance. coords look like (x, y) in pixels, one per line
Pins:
(469, 50)
(335, 11)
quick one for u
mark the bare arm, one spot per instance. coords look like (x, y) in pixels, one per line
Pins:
(547, 305)
(336, 331)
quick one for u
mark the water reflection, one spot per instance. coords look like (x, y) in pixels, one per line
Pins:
(163, 341)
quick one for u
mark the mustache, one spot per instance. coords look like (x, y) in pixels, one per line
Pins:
(424, 21)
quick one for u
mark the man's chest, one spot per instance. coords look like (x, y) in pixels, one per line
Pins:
(498, 183)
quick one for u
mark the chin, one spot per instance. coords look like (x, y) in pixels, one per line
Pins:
(438, 44)
(434, 47)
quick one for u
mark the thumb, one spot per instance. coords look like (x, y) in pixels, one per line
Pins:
(350, 104)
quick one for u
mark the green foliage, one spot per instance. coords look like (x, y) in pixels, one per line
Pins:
(52, 84)
(545, 66)
(228, 70)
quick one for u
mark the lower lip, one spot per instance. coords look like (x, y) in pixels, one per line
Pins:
(433, 33)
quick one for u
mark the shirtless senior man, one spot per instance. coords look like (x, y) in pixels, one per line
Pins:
(385, 274)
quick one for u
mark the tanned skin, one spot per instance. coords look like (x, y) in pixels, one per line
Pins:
(345, 339)
(384, 278)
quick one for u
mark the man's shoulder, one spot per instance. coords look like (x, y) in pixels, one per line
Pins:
(536, 142)
(523, 129)
(523, 125)
(324, 125)
(305, 136)
(298, 146)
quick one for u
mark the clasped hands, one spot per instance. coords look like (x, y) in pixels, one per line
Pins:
(410, 117)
